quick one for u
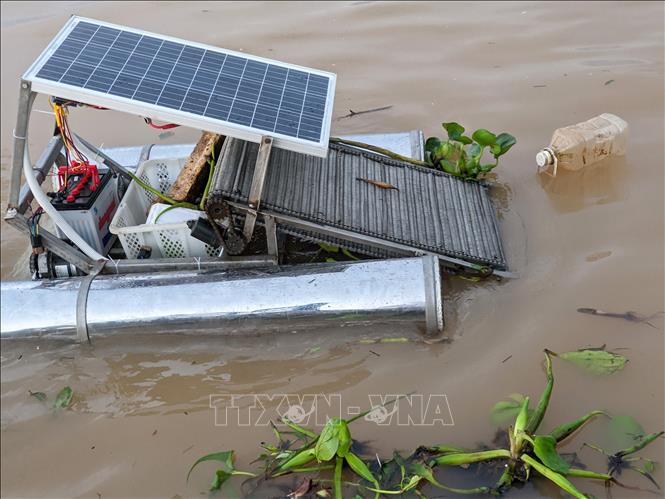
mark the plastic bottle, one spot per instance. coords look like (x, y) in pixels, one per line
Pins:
(576, 146)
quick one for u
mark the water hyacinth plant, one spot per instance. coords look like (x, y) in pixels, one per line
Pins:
(462, 155)
(528, 451)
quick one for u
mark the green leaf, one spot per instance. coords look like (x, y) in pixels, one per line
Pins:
(221, 476)
(505, 141)
(330, 260)
(224, 457)
(422, 471)
(624, 431)
(64, 398)
(475, 150)
(545, 449)
(506, 410)
(41, 396)
(444, 150)
(596, 361)
(555, 477)
(348, 254)
(328, 442)
(301, 458)
(488, 167)
(449, 167)
(484, 137)
(360, 468)
(563, 431)
(522, 418)
(472, 163)
(328, 247)
(345, 441)
(454, 130)
(461, 165)
(539, 413)
(296, 427)
(432, 143)
(641, 444)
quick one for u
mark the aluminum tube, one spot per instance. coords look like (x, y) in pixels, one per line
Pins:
(231, 302)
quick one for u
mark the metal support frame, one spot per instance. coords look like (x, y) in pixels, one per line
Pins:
(25, 100)
(51, 154)
(256, 189)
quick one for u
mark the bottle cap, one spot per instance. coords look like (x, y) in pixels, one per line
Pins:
(544, 158)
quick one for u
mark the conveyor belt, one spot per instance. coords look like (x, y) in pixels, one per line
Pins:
(430, 211)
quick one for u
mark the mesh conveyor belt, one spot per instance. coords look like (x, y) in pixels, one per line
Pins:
(431, 211)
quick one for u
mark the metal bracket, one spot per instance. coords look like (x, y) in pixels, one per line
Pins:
(271, 236)
(256, 189)
(82, 302)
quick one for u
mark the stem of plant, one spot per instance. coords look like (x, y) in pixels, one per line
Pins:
(380, 150)
(587, 474)
(555, 477)
(338, 478)
(645, 441)
(472, 457)
(208, 184)
(244, 473)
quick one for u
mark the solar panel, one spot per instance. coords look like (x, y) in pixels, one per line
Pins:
(187, 83)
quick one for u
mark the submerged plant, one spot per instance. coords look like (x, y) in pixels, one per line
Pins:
(527, 450)
(462, 155)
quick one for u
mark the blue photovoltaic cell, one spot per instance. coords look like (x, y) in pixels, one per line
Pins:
(210, 83)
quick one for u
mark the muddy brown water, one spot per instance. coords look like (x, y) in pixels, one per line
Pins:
(141, 412)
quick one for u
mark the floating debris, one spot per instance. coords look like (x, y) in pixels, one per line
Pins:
(378, 183)
(353, 113)
(41, 396)
(628, 316)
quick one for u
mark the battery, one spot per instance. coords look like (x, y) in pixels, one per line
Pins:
(89, 212)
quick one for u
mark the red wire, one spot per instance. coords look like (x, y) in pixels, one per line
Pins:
(160, 127)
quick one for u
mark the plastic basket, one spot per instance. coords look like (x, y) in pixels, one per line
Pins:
(171, 240)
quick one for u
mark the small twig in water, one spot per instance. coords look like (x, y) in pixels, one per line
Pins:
(353, 113)
(628, 316)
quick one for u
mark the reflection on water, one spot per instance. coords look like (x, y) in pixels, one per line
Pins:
(597, 184)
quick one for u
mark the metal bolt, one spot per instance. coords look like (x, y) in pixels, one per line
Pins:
(24, 85)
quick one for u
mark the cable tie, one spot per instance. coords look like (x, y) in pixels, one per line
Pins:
(16, 136)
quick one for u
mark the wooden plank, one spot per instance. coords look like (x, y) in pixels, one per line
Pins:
(193, 175)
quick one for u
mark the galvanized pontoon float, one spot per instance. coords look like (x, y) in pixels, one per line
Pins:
(276, 176)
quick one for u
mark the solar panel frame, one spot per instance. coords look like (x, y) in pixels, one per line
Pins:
(181, 117)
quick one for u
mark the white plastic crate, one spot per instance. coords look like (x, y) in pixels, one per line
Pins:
(172, 240)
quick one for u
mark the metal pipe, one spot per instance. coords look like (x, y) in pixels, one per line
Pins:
(25, 100)
(149, 265)
(231, 302)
